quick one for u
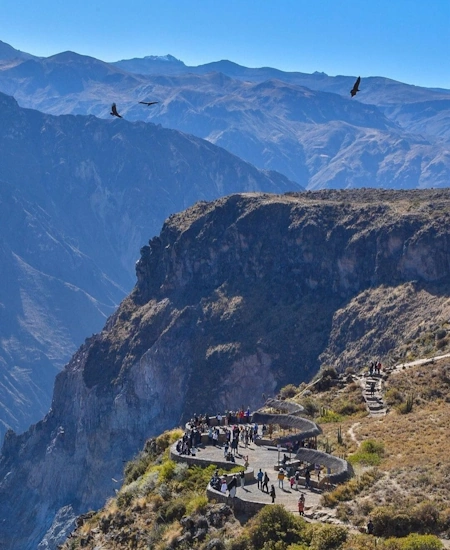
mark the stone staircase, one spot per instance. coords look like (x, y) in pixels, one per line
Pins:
(374, 400)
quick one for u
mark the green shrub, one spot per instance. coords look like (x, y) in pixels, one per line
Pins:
(366, 459)
(166, 439)
(328, 375)
(197, 478)
(347, 491)
(347, 407)
(444, 520)
(137, 467)
(369, 453)
(167, 470)
(327, 537)
(373, 447)
(420, 542)
(407, 406)
(275, 524)
(288, 391)
(310, 406)
(393, 397)
(171, 511)
(425, 517)
(328, 415)
(389, 522)
(197, 504)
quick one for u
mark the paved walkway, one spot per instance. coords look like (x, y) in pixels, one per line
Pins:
(430, 360)
(265, 458)
(374, 399)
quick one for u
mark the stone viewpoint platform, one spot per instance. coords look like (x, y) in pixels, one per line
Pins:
(265, 455)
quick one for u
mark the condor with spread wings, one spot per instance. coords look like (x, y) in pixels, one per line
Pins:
(114, 111)
(148, 102)
(355, 88)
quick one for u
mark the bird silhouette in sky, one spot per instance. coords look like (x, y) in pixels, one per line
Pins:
(355, 88)
(114, 111)
(148, 102)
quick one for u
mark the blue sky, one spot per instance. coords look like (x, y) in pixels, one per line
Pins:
(407, 40)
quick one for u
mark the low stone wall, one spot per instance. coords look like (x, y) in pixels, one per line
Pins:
(249, 474)
(340, 470)
(238, 505)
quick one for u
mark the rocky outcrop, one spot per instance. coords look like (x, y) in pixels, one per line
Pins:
(234, 299)
(79, 196)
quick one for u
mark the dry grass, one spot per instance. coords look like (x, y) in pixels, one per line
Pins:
(415, 475)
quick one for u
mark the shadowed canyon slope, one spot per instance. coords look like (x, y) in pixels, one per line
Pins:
(79, 196)
(234, 299)
(393, 135)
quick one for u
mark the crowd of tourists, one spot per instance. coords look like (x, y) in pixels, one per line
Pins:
(233, 432)
(229, 430)
(375, 368)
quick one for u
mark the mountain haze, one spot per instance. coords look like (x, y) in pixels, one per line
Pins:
(392, 135)
(390, 96)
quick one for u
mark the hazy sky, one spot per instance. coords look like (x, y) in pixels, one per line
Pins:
(407, 40)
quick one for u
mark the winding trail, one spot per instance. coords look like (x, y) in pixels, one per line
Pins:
(352, 435)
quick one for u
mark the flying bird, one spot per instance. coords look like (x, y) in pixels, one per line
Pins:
(114, 111)
(148, 102)
(355, 88)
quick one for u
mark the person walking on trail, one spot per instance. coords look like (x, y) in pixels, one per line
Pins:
(292, 482)
(232, 487)
(242, 474)
(266, 482)
(307, 479)
(372, 388)
(297, 479)
(301, 504)
(259, 478)
(280, 478)
(370, 527)
(272, 493)
(223, 485)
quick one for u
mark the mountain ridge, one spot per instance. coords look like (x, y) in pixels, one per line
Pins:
(290, 131)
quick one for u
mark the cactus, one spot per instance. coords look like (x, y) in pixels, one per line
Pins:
(328, 447)
(339, 436)
(409, 403)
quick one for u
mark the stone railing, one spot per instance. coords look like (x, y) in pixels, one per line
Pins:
(339, 470)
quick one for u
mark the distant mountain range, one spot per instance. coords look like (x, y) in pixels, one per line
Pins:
(79, 196)
(306, 126)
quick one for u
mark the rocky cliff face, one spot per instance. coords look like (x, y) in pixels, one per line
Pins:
(234, 299)
(78, 197)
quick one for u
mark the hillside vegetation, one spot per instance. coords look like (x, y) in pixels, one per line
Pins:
(401, 482)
